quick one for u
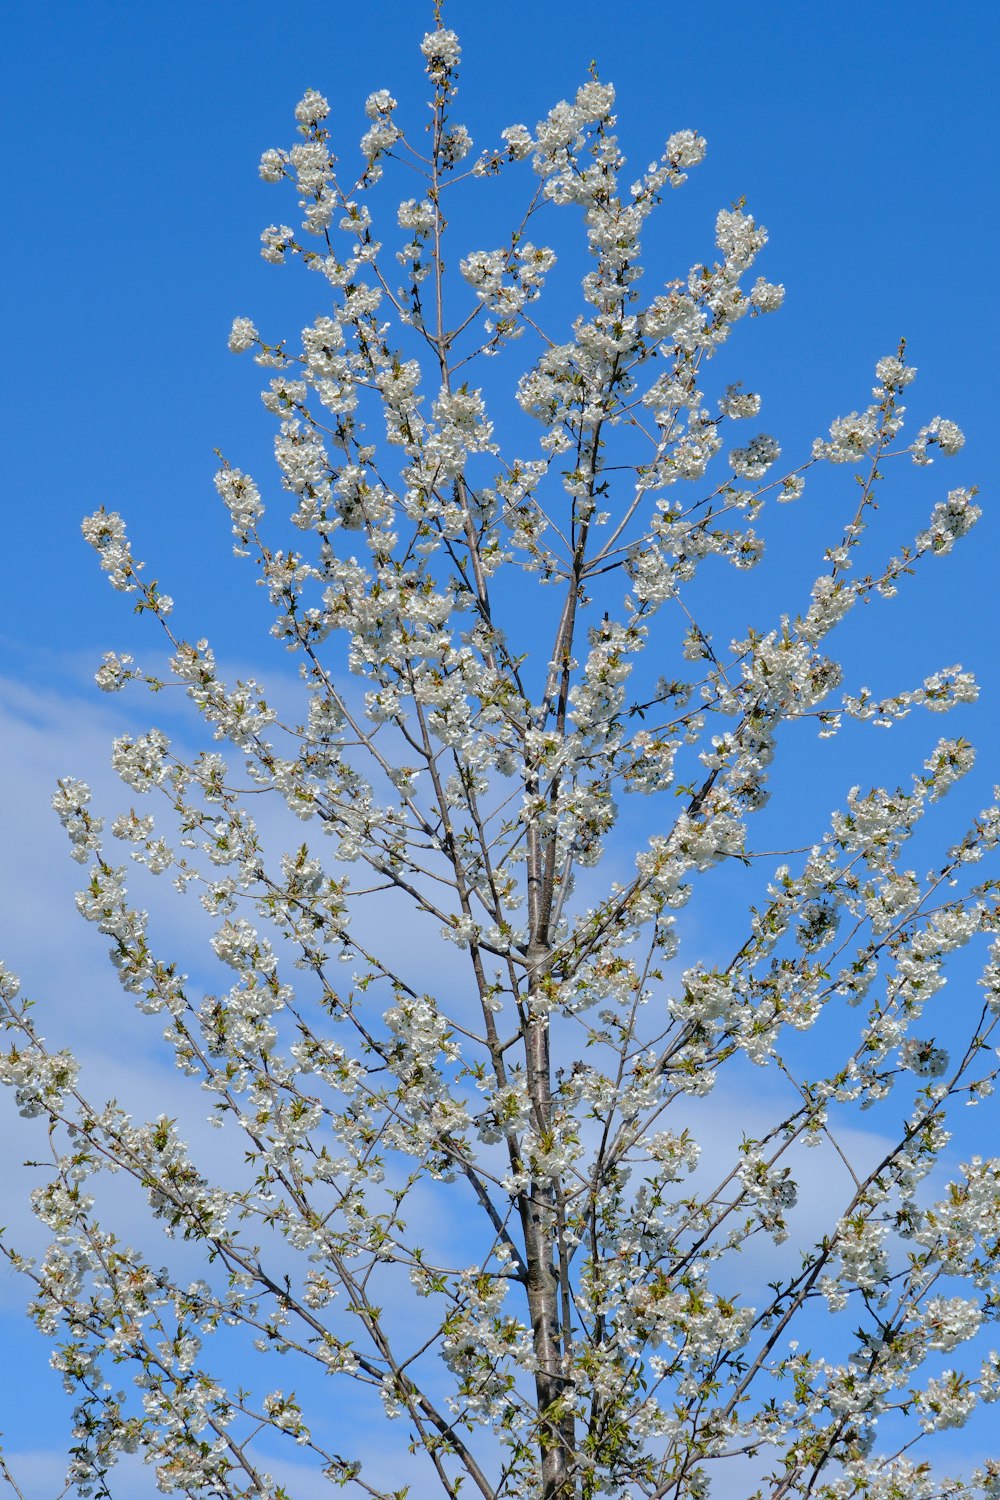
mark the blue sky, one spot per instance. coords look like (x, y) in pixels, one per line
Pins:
(864, 137)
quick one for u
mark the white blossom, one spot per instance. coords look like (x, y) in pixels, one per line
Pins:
(311, 108)
(243, 335)
(940, 434)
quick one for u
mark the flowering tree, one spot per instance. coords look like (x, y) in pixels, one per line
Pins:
(483, 1207)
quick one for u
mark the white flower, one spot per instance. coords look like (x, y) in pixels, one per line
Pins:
(940, 433)
(594, 101)
(791, 487)
(242, 336)
(105, 531)
(272, 165)
(851, 438)
(753, 461)
(767, 296)
(442, 51)
(951, 760)
(141, 763)
(114, 673)
(923, 1058)
(685, 148)
(948, 1401)
(379, 103)
(311, 108)
(70, 803)
(242, 499)
(276, 239)
(950, 519)
(381, 137)
(891, 373)
(739, 403)
(517, 139)
(738, 236)
(416, 215)
(457, 144)
(950, 1321)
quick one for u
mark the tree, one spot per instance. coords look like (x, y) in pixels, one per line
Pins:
(475, 632)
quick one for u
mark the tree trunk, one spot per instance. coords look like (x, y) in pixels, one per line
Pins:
(538, 1217)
